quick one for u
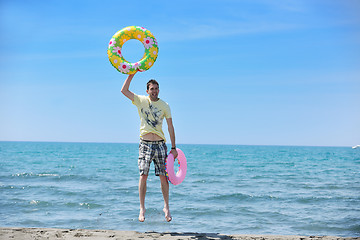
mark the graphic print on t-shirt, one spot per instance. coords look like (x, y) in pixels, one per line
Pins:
(151, 115)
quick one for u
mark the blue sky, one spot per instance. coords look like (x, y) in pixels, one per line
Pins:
(253, 72)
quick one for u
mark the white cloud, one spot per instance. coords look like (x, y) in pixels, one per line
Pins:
(220, 28)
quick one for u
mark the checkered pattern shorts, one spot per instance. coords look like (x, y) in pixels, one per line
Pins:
(152, 151)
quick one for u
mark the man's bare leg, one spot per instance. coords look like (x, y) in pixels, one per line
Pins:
(142, 193)
(165, 192)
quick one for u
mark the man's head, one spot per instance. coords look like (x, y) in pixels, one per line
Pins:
(152, 81)
(152, 88)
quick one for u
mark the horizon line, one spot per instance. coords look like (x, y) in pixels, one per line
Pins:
(219, 144)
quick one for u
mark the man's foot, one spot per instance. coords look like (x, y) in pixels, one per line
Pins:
(167, 214)
(142, 215)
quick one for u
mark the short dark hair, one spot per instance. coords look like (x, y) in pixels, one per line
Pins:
(152, 81)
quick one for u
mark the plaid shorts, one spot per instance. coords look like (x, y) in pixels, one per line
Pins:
(152, 151)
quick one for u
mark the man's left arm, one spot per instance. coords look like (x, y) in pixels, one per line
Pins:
(172, 137)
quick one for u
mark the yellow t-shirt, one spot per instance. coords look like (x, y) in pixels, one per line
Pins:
(151, 115)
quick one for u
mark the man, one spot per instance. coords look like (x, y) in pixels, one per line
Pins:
(152, 110)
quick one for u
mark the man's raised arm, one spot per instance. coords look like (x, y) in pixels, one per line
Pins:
(125, 88)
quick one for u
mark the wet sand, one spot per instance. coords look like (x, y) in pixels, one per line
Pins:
(78, 234)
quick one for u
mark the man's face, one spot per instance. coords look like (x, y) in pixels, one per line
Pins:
(153, 92)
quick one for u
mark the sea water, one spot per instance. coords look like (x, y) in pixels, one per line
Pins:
(227, 189)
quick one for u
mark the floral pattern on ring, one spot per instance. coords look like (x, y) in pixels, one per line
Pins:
(125, 34)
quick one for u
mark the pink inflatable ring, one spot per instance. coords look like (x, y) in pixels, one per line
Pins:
(169, 167)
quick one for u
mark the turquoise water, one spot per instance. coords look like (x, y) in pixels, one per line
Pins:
(228, 189)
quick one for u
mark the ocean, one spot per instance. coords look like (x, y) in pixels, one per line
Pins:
(228, 189)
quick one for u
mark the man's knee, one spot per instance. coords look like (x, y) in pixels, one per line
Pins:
(163, 179)
(143, 177)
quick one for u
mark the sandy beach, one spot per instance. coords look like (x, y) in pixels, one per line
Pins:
(72, 234)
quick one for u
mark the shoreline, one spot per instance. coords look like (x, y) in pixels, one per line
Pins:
(89, 234)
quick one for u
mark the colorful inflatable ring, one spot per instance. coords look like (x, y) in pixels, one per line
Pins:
(125, 34)
(169, 167)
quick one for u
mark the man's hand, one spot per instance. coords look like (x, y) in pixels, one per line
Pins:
(174, 153)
